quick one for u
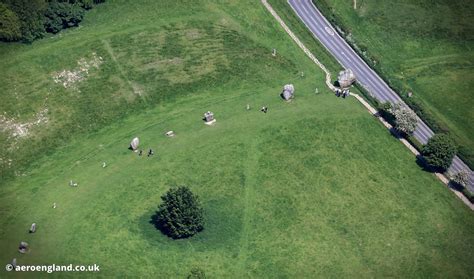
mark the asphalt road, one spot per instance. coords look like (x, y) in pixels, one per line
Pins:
(324, 32)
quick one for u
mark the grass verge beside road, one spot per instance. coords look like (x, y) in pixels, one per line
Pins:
(430, 57)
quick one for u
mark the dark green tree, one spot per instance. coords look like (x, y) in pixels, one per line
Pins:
(439, 152)
(180, 215)
(53, 23)
(31, 15)
(61, 15)
(10, 25)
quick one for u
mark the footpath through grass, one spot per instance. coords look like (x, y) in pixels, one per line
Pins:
(316, 187)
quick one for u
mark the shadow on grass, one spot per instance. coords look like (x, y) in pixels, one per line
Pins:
(161, 226)
(396, 133)
(150, 231)
(156, 222)
(219, 232)
(421, 162)
(455, 186)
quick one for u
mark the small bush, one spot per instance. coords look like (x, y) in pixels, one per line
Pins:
(460, 178)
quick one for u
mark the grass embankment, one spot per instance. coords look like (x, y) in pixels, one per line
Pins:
(316, 187)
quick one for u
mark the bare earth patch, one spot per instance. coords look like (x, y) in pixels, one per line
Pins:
(17, 130)
(68, 78)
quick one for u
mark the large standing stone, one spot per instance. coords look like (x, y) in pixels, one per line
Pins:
(23, 248)
(209, 118)
(346, 78)
(288, 92)
(33, 228)
(134, 144)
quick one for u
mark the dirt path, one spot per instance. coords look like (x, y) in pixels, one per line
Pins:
(133, 87)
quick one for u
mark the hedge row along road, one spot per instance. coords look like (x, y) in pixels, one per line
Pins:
(368, 78)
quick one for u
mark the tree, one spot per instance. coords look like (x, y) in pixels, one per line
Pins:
(385, 111)
(439, 152)
(60, 15)
(405, 119)
(30, 13)
(180, 215)
(28, 20)
(461, 177)
(9, 24)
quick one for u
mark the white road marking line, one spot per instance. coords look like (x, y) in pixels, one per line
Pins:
(329, 31)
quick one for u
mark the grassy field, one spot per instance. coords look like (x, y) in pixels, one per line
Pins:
(421, 46)
(316, 187)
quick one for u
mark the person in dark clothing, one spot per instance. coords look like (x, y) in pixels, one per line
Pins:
(264, 109)
(150, 152)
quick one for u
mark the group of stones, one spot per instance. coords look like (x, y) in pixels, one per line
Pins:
(345, 79)
(24, 247)
(136, 141)
(287, 94)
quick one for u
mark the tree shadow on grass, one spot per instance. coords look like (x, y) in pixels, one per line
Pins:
(149, 230)
(396, 133)
(455, 186)
(154, 230)
(421, 162)
(159, 224)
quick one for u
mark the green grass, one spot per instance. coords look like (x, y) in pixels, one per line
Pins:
(305, 36)
(316, 187)
(422, 46)
(284, 196)
(146, 63)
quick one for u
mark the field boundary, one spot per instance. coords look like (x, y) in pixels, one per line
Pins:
(371, 109)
